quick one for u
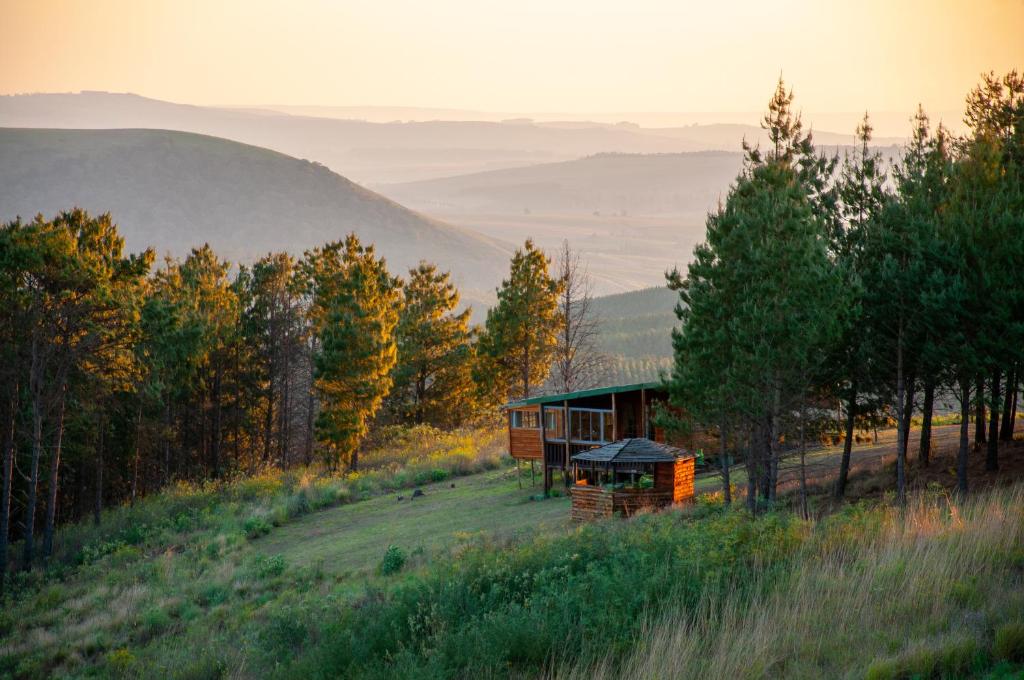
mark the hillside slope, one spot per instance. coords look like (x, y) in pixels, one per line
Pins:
(645, 184)
(367, 152)
(636, 330)
(175, 190)
(379, 152)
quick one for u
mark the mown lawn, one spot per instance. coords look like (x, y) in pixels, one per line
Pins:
(353, 538)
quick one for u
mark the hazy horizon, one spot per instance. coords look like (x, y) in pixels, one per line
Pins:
(668, 63)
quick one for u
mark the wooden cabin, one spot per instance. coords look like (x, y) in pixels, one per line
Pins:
(551, 429)
(627, 476)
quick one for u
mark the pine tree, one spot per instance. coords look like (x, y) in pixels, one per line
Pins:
(759, 303)
(862, 193)
(356, 302)
(432, 378)
(520, 335)
(903, 272)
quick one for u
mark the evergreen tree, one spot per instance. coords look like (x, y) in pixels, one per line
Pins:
(356, 302)
(432, 378)
(862, 194)
(273, 328)
(903, 273)
(759, 303)
(520, 335)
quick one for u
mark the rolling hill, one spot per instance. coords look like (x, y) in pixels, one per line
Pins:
(636, 330)
(175, 190)
(645, 184)
(379, 152)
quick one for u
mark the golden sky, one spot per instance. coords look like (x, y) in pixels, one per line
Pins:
(521, 56)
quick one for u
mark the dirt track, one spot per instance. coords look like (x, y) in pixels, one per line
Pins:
(822, 464)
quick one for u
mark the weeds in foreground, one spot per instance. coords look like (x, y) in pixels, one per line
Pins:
(932, 592)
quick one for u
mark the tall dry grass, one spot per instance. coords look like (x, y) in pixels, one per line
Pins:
(889, 594)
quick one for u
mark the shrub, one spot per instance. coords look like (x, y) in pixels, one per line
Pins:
(945, 658)
(155, 620)
(257, 526)
(1009, 642)
(120, 661)
(212, 594)
(394, 560)
(282, 634)
(268, 567)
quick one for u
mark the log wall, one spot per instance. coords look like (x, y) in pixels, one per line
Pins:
(590, 503)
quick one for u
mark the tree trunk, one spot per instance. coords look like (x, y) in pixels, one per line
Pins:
(167, 440)
(979, 410)
(138, 452)
(992, 455)
(310, 404)
(1013, 406)
(925, 448)
(284, 408)
(1006, 427)
(268, 421)
(216, 431)
(8, 473)
(844, 462)
(961, 456)
(36, 388)
(724, 463)
(803, 472)
(51, 503)
(752, 474)
(97, 506)
(901, 424)
(908, 412)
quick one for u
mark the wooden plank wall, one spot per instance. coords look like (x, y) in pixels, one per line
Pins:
(524, 443)
(682, 487)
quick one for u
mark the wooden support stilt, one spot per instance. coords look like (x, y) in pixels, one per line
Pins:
(532, 473)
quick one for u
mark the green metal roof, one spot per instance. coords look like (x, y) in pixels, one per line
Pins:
(581, 394)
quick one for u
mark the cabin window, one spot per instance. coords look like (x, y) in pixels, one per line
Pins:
(553, 428)
(528, 420)
(590, 425)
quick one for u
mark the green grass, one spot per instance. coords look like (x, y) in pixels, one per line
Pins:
(353, 538)
(306, 575)
(174, 585)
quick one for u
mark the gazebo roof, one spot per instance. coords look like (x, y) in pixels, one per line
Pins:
(636, 450)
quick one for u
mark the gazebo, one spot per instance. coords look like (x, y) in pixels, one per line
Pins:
(628, 475)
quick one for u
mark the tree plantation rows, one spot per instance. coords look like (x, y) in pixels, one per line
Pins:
(876, 287)
(120, 377)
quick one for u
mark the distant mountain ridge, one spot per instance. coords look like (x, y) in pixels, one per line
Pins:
(373, 152)
(177, 190)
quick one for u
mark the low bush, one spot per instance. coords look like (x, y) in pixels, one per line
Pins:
(1009, 642)
(394, 560)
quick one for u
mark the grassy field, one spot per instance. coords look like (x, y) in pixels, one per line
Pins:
(353, 538)
(288, 575)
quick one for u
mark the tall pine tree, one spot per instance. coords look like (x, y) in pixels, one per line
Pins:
(357, 303)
